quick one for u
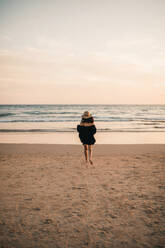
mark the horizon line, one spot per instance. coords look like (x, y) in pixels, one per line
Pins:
(82, 103)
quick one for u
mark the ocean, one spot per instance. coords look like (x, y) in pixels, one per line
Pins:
(64, 118)
(57, 124)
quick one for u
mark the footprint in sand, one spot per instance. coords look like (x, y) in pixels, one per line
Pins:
(105, 186)
(47, 221)
(36, 209)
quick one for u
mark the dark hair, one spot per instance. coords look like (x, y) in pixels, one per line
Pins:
(87, 120)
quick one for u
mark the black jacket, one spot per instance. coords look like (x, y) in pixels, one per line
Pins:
(86, 134)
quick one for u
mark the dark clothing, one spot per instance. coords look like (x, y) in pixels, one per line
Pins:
(86, 134)
(87, 120)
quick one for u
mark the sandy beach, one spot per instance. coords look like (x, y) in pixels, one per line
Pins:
(51, 198)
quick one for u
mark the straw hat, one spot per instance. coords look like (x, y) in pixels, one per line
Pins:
(86, 115)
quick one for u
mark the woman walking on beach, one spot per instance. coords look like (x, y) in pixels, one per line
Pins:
(86, 131)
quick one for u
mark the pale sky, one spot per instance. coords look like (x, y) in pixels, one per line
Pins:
(82, 51)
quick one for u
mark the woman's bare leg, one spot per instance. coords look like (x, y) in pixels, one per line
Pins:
(86, 152)
(90, 154)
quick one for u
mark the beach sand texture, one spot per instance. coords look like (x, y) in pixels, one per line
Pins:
(51, 198)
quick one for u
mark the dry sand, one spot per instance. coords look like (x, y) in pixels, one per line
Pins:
(50, 198)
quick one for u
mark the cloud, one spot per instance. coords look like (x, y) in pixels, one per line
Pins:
(147, 52)
(65, 79)
(35, 64)
(5, 37)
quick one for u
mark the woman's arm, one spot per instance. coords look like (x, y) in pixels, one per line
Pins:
(78, 128)
(94, 130)
(85, 124)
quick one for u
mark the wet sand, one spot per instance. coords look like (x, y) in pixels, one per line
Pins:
(51, 198)
(68, 138)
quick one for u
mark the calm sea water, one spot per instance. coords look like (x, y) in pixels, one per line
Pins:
(64, 118)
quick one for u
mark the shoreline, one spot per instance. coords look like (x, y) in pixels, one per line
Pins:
(72, 138)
